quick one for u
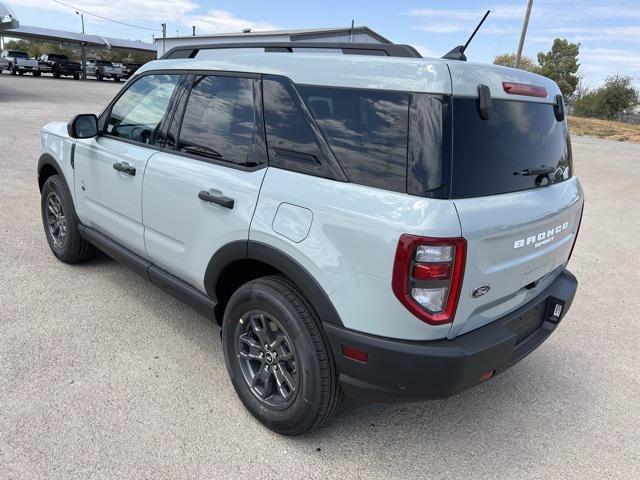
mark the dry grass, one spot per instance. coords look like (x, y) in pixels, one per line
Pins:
(592, 127)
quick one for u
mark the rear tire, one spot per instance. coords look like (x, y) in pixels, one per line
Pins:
(116, 79)
(98, 76)
(76, 76)
(277, 357)
(37, 74)
(12, 71)
(60, 223)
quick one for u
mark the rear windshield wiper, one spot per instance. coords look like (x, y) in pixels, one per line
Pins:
(536, 171)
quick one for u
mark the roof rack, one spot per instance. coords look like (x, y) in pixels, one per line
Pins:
(381, 49)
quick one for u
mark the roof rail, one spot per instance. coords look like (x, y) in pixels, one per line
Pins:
(382, 49)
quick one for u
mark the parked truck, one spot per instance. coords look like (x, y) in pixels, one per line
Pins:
(16, 61)
(59, 65)
(104, 69)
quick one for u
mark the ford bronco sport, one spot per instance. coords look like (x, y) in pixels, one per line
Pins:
(379, 224)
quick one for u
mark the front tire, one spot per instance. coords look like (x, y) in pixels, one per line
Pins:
(12, 71)
(37, 74)
(277, 357)
(60, 224)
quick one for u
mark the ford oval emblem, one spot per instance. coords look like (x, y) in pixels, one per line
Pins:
(481, 290)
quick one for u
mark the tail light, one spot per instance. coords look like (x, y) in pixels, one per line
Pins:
(575, 239)
(427, 276)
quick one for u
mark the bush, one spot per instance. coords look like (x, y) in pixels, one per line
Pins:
(616, 96)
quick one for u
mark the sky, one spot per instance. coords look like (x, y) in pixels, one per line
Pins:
(608, 31)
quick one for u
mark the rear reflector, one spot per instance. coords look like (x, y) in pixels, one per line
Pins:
(355, 354)
(524, 89)
(486, 376)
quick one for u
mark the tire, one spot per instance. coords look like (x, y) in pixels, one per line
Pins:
(12, 70)
(56, 206)
(116, 79)
(56, 73)
(297, 360)
(37, 74)
(98, 76)
(20, 72)
(76, 76)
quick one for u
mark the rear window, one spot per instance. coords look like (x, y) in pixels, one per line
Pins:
(367, 131)
(15, 54)
(520, 146)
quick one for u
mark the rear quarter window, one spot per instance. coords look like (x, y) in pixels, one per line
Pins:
(367, 131)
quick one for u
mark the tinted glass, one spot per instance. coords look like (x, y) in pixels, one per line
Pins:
(367, 131)
(18, 54)
(429, 145)
(220, 119)
(138, 114)
(520, 146)
(293, 143)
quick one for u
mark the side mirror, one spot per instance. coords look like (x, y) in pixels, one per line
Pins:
(83, 126)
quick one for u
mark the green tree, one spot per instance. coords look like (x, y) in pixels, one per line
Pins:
(616, 96)
(560, 64)
(509, 60)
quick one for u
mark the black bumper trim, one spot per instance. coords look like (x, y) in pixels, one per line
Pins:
(398, 370)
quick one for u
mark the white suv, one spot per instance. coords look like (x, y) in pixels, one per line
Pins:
(393, 227)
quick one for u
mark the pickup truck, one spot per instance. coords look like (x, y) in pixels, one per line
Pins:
(19, 62)
(104, 69)
(59, 65)
(130, 68)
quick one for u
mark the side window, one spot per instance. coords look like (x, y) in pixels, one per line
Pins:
(222, 120)
(367, 130)
(138, 114)
(293, 144)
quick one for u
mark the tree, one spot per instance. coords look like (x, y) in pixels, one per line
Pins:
(616, 96)
(509, 60)
(560, 64)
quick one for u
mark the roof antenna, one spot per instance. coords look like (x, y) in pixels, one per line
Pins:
(351, 33)
(458, 52)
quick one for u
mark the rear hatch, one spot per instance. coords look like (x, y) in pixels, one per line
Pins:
(513, 187)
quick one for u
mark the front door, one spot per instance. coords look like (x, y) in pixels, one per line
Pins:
(109, 169)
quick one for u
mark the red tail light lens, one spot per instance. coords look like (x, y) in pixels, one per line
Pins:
(427, 276)
(524, 89)
(575, 239)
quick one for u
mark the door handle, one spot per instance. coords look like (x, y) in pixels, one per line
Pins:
(124, 168)
(221, 200)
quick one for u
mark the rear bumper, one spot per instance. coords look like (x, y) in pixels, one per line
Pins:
(398, 370)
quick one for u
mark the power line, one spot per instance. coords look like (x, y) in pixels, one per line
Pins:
(105, 18)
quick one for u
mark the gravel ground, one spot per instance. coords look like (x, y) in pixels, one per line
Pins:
(102, 375)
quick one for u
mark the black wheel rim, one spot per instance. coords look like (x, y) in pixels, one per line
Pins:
(267, 359)
(56, 220)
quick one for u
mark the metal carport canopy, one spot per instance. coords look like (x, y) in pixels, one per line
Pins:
(77, 38)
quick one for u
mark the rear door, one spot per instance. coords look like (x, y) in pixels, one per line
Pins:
(201, 191)
(109, 169)
(518, 203)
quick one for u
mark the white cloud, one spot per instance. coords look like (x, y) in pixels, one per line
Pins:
(221, 21)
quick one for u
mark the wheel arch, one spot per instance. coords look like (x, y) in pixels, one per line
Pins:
(48, 166)
(239, 262)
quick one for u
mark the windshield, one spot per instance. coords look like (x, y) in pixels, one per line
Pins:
(520, 146)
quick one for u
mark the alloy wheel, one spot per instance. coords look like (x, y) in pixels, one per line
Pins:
(267, 359)
(56, 220)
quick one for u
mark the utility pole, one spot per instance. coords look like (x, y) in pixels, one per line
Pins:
(525, 25)
(83, 49)
(164, 35)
